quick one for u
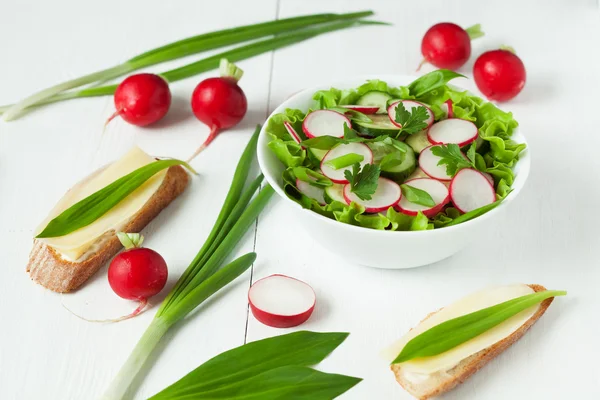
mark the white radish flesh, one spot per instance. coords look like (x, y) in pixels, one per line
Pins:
(325, 123)
(337, 175)
(447, 108)
(387, 194)
(292, 132)
(453, 130)
(428, 162)
(311, 191)
(409, 105)
(281, 301)
(436, 189)
(362, 109)
(470, 190)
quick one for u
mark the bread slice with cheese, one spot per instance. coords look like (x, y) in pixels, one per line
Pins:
(64, 263)
(424, 379)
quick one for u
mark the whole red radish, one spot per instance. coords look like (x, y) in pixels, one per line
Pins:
(142, 99)
(447, 45)
(219, 102)
(499, 74)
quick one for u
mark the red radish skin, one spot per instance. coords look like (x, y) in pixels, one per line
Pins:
(499, 74)
(325, 123)
(470, 189)
(453, 130)
(388, 193)
(281, 301)
(362, 109)
(142, 99)
(219, 102)
(409, 105)
(337, 176)
(446, 45)
(292, 132)
(447, 107)
(436, 189)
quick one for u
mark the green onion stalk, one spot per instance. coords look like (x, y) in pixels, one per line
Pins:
(182, 48)
(203, 277)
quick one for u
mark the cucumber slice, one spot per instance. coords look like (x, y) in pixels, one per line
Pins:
(375, 98)
(397, 173)
(418, 141)
(315, 155)
(335, 193)
(380, 125)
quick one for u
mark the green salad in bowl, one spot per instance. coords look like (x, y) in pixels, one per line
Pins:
(400, 158)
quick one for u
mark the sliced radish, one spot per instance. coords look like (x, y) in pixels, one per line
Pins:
(387, 194)
(436, 189)
(292, 132)
(453, 130)
(311, 191)
(362, 109)
(489, 177)
(337, 175)
(470, 189)
(325, 123)
(280, 301)
(447, 108)
(428, 162)
(409, 105)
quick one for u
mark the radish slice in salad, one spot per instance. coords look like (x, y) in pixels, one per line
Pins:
(436, 189)
(428, 162)
(337, 175)
(292, 132)
(470, 189)
(281, 301)
(325, 123)
(311, 191)
(361, 109)
(453, 130)
(409, 105)
(387, 194)
(447, 108)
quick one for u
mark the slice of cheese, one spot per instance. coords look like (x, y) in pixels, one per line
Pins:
(76, 245)
(474, 302)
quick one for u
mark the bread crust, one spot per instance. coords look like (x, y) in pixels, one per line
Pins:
(50, 270)
(474, 363)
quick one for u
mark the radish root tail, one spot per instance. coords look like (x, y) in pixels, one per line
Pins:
(213, 134)
(421, 64)
(140, 308)
(113, 116)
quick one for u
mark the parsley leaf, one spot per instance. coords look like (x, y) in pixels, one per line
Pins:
(453, 158)
(411, 121)
(417, 196)
(363, 182)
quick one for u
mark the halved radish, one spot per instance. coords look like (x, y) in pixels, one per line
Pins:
(436, 189)
(281, 301)
(453, 130)
(387, 194)
(361, 109)
(470, 189)
(447, 108)
(409, 105)
(337, 175)
(292, 132)
(428, 162)
(311, 191)
(325, 123)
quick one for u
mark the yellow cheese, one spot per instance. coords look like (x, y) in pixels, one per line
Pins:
(474, 302)
(76, 245)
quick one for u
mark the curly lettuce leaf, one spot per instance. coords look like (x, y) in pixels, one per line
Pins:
(334, 97)
(403, 222)
(276, 128)
(289, 152)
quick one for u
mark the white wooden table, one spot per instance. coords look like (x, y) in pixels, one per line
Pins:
(549, 237)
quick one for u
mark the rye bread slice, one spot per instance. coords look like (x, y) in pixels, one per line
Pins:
(47, 268)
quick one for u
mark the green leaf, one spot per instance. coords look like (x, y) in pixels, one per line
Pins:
(329, 142)
(391, 160)
(452, 157)
(433, 80)
(352, 114)
(420, 222)
(417, 196)
(363, 182)
(475, 31)
(456, 331)
(312, 177)
(411, 121)
(88, 210)
(345, 161)
(289, 153)
(471, 153)
(475, 213)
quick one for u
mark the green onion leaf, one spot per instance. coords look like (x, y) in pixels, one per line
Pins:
(475, 213)
(88, 210)
(456, 331)
(345, 161)
(312, 177)
(417, 196)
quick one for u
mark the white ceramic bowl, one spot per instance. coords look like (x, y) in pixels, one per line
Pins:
(375, 248)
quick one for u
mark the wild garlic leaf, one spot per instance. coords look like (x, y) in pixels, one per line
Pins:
(417, 196)
(363, 182)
